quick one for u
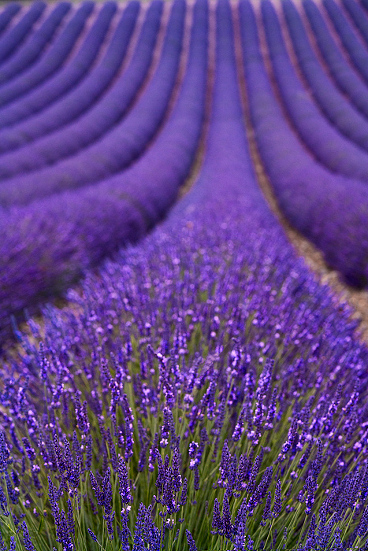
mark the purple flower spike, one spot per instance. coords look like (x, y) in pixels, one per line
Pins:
(191, 542)
(27, 540)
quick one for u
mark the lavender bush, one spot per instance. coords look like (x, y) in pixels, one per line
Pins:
(13, 106)
(335, 151)
(100, 118)
(344, 75)
(13, 38)
(329, 100)
(7, 15)
(357, 53)
(200, 393)
(80, 98)
(33, 47)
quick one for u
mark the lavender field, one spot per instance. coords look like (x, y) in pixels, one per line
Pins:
(173, 374)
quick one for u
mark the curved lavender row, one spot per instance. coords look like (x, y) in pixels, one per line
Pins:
(7, 15)
(42, 70)
(80, 98)
(50, 243)
(119, 147)
(331, 148)
(359, 17)
(330, 210)
(107, 112)
(345, 77)
(357, 53)
(32, 48)
(333, 104)
(227, 175)
(154, 180)
(13, 38)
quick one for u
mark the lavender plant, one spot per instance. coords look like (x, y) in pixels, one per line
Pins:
(12, 91)
(80, 98)
(193, 387)
(13, 38)
(35, 44)
(7, 15)
(119, 147)
(356, 51)
(344, 75)
(336, 152)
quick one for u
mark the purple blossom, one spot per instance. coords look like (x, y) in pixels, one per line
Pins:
(128, 419)
(26, 538)
(93, 536)
(124, 487)
(277, 506)
(191, 542)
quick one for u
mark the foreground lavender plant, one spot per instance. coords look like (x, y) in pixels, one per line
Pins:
(183, 393)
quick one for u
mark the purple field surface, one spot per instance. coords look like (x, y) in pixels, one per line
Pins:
(173, 376)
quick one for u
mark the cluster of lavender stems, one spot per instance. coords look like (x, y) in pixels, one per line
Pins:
(201, 392)
(328, 208)
(118, 147)
(82, 96)
(14, 37)
(323, 138)
(28, 89)
(338, 109)
(34, 44)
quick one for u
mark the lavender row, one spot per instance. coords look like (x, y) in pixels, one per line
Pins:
(153, 182)
(334, 105)
(14, 37)
(359, 17)
(51, 242)
(98, 120)
(122, 144)
(82, 97)
(227, 173)
(7, 15)
(358, 54)
(38, 76)
(332, 149)
(344, 75)
(32, 48)
(201, 392)
(328, 209)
